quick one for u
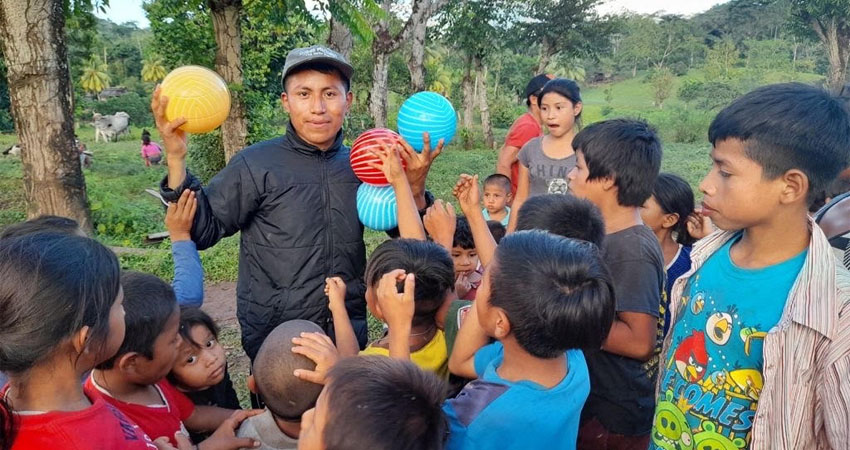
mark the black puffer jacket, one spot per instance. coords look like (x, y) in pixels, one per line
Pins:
(296, 208)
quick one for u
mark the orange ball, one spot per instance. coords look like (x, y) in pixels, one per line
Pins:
(198, 94)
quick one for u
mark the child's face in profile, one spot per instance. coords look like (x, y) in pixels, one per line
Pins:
(579, 184)
(654, 217)
(153, 370)
(495, 198)
(734, 185)
(199, 366)
(313, 422)
(465, 260)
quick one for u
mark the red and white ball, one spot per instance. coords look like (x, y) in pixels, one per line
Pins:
(360, 155)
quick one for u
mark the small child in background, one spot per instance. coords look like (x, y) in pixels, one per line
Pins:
(134, 379)
(285, 395)
(666, 213)
(465, 256)
(372, 402)
(497, 196)
(432, 267)
(151, 151)
(544, 298)
(62, 314)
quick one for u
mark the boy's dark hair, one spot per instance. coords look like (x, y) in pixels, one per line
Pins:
(382, 403)
(675, 196)
(565, 88)
(499, 180)
(286, 395)
(319, 67)
(564, 215)
(431, 265)
(51, 286)
(627, 150)
(146, 139)
(148, 304)
(836, 188)
(42, 224)
(556, 292)
(789, 126)
(463, 234)
(497, 230)
(534, 86)
(189, 318)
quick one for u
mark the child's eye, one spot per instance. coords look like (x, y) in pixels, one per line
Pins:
(725, 174)
(191, 359)
(211, 343)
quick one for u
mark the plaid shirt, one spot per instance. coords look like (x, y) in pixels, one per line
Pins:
(805, 402)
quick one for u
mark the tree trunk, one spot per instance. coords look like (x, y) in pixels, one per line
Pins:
(32, 39)
(836, 42)
(546, 51)
(226, 16)
(340, 39)
(484, 108)
(378, 97)
(468, 102)
(416, 63)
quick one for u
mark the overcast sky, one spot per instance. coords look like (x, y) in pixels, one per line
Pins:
(120, 11)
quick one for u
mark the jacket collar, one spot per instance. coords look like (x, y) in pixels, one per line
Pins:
(294, 142)
(812, 301)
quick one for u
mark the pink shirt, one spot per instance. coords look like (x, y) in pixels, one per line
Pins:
(151, 149)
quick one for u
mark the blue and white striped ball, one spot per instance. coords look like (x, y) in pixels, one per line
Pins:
(377, 207)
(426, 111)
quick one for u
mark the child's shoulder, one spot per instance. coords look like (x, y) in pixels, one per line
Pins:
(633, 243)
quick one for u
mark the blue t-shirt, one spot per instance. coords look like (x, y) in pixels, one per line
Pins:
(493, 413)
(711, 379)
(503, 221)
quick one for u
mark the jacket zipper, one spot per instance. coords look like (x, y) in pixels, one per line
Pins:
(327, 210)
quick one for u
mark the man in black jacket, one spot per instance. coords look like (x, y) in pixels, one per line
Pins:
(294, 200)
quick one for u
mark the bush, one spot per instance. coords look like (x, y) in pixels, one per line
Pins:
(206, 155)
(684, 126)
(137, 106)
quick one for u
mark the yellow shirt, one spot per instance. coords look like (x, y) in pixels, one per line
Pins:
(433, 356)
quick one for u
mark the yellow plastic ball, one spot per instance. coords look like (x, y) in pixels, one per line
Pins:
(198, 94)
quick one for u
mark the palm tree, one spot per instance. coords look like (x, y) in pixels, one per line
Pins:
(95, 78)
(152, 69)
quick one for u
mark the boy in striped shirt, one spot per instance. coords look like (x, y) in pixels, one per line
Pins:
(759, 348)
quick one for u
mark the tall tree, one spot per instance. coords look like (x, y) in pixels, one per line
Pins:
(32, 39)
(830, 21)
(387, 42)
(564, 26)
(226, 18)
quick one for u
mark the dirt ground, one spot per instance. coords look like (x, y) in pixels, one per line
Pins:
(220, 304)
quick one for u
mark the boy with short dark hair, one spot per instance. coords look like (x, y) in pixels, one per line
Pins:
(285, 395)
(616, 166)
(497, 197)
(377, 403)
(465, 257)
(564, 215)
(134, 380)
(759, 348)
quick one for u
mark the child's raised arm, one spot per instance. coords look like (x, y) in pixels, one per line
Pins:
(470, 338)
(346, 339)
(522, 188)
(398, 309)
(188, 281)
(467, 194)
(409, 224)
(440, 222)
(418, 166)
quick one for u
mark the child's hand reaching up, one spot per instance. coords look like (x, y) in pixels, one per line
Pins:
(335, 290)
(398, 309)
(319, 348)
(179, 216)
(390, 163)
(440, 222)
(466, 192)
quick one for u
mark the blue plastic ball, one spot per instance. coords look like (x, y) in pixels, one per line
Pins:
(377, 207)
(426, 111)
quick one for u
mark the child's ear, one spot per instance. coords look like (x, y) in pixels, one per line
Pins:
(796, 186)
(79, 339)
(127, 362)
(607, 183)
(670, 220)
(509, 196)
(252, 385)
(503, 325)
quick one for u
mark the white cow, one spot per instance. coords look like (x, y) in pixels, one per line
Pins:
(111, 127)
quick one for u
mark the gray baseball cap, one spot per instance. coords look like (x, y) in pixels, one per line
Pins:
(313, 54)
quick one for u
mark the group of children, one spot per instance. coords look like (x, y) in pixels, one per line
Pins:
(597, 309)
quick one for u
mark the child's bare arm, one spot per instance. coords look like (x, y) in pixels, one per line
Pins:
(320, 349)
(207, 418)
(398, 309)
(470, 338)
(440, 222)
(418, 166)
(522, 189)
(466, 191)
(409, 224)
(346, 339)
(632, 335)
